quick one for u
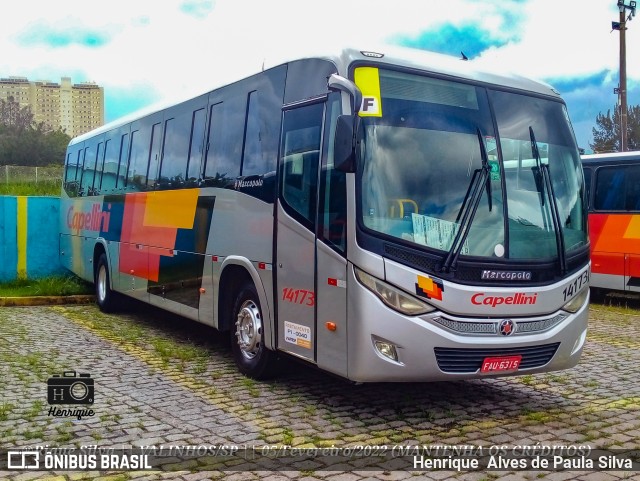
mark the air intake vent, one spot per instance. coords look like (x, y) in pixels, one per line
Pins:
(412, 259)
(466, 361)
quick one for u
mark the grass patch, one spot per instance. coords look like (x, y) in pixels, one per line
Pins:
(538, 416)
(165, 348)
(46, 286)
(526, 379)
(251, 386)
(5, 409)
(287, 437)
(37, 434)
(36, 408)
(42, 188)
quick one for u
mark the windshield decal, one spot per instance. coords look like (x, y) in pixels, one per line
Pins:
(368, 81)
(436, 233)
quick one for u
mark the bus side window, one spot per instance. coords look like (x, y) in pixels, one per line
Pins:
(262, 127)
(121, 173)
(137, 169)
(174, 153)
(632, 175)
(302, 130)
(252, 157)
(194, 172)
(72, 172)
(610, 189)
(110, 169)
(224, 143)
(97, 178)
(86, 171)
(154, 156)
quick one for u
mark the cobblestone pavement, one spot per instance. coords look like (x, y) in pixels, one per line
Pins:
(163, 380)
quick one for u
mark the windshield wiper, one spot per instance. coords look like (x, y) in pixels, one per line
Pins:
(468, 210)
(543, 170)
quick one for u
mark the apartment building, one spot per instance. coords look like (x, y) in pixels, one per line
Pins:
(74, 108)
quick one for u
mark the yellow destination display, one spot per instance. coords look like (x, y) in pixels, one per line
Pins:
(368, 81)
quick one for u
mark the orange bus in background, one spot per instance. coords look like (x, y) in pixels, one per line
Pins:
(613, 192)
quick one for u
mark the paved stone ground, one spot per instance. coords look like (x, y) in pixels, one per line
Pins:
(163, 380)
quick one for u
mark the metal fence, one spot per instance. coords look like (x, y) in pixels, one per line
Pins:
(20, 174)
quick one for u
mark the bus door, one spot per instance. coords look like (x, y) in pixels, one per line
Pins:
(310, 272)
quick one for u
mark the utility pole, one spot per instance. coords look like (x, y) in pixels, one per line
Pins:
(623, 79)
(622, 88)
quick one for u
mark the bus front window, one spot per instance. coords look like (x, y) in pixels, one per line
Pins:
(421, 157)
(531, 231)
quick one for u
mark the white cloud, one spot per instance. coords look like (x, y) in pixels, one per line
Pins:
(157, 46)
(562, 40)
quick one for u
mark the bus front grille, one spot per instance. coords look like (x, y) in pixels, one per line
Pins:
(462, 361)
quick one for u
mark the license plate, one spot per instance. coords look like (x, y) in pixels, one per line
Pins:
(500, 364)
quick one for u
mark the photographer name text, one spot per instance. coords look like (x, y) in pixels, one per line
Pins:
(77, 413)
(435, 457)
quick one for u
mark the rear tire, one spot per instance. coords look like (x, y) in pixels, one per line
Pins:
(249, 351)
(105, 297)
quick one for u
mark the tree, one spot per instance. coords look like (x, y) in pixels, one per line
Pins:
(23, 142)
(606, 134)
(12, 115)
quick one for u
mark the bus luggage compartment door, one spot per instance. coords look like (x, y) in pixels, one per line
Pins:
(632, 272)
(133, 266)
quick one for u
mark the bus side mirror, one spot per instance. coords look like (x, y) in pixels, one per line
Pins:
(343, 147)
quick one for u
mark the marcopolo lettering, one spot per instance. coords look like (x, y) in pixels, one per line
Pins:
(245, 183)
(96, 220)
(481, 299)
(506, 275)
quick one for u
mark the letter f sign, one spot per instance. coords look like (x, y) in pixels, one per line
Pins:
(370, 106)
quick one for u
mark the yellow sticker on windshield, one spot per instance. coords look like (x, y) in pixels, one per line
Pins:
(368, 81)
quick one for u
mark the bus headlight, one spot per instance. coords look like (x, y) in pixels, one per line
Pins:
(392, 296)
(576, 303)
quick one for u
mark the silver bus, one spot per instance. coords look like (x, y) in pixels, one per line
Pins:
(384, 216)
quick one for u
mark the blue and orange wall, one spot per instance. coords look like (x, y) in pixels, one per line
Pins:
(29, 231)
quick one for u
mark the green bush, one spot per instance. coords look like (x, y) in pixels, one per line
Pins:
(46, 286)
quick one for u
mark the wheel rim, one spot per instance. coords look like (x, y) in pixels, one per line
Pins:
(102, 283)
(249, 329)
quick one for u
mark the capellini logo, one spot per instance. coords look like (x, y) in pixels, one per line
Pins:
(96, 220)
(481, 299)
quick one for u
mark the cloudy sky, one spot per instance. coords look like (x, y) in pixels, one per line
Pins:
(145, 51)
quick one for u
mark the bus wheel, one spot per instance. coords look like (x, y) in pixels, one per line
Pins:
(104, 294)
(251, 355)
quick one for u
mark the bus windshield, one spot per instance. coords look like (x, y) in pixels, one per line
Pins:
(422, 156)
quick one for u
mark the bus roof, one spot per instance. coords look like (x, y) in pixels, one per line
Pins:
(440, 64)
(420, 60)
(610, 158)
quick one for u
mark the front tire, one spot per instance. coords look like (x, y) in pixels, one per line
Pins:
(247, 340)
(102, 282)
